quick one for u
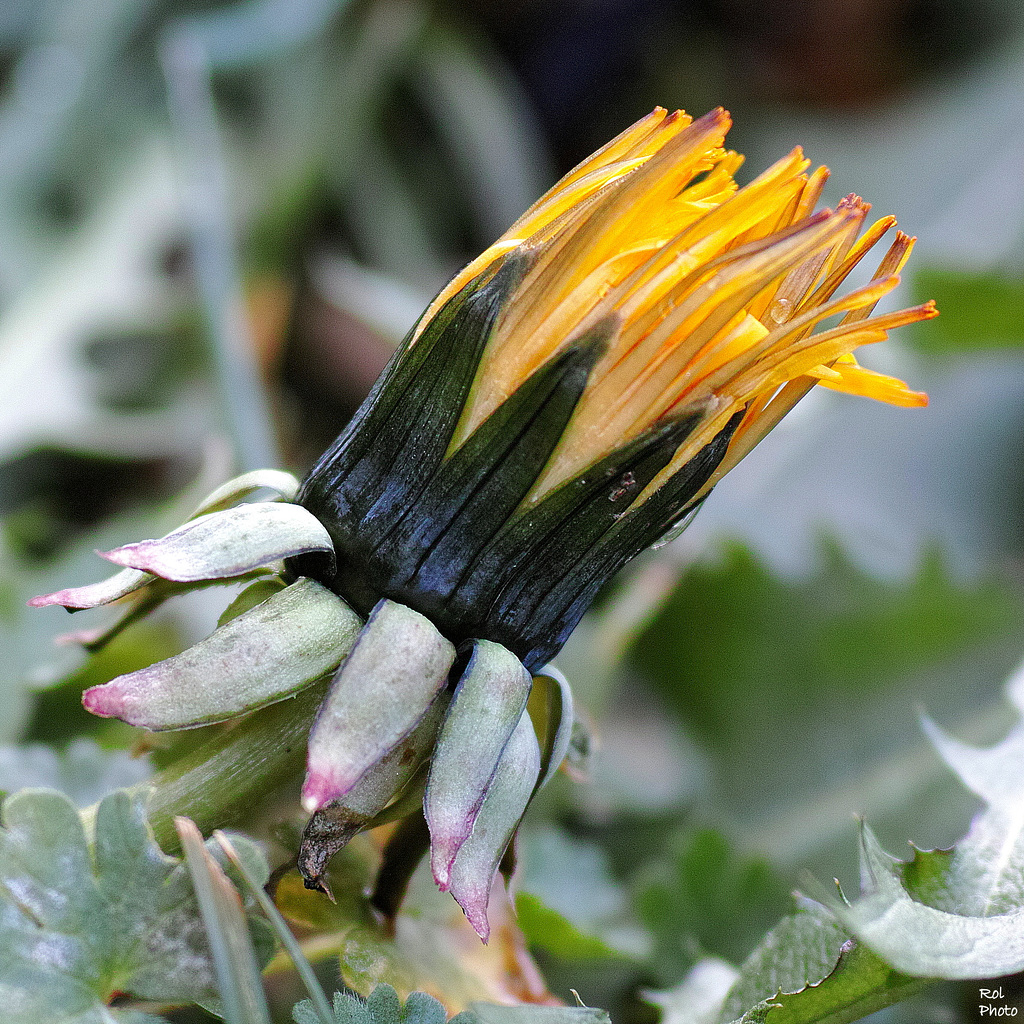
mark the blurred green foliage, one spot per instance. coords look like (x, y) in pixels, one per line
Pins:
(979, 312)
(704, 899)
(364, 151)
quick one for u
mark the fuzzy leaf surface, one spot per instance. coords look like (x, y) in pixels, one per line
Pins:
(384, 1006)
(82, 920)
(922, 940)
(956, 914)
(808, 969)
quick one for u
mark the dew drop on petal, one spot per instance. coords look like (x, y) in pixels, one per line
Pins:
(780, 310)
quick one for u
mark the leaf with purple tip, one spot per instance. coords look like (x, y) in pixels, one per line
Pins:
(267, 653)
(398, 665)
(506, 800)
(228, 543)
(332, 826)
(488, 702)
(121, 584)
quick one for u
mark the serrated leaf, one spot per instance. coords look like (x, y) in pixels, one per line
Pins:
(800, 950)
(758, 1014)
(860, 984)
(921, 940)
(956, 914)
(83, 920)
(996, 774)
(983, 875)
(383, 1006)
(807, 970)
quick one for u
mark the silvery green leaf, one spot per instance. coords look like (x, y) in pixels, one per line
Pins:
(507, 798)
(488, 703)
(293, 638)
(333, 825)
(947, 914)
(759, 1014)
(921, 940)
(283, 484)
(397, 667)
(491, 1013)
(983, 875)
(383, 1006)
(81, 919)
(996, 774)
(121, 584)
(228, 543)
(958, 913)
(800, 951)
(807, 969)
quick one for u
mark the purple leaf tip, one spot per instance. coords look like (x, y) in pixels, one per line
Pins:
(104, 701)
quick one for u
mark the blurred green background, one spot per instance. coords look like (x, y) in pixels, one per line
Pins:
(217, 220)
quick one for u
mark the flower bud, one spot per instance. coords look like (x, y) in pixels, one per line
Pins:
(567, 400)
